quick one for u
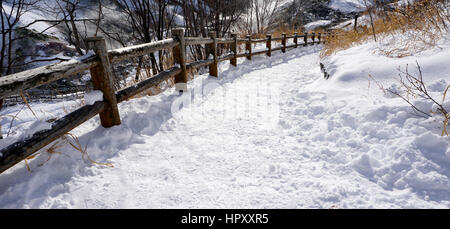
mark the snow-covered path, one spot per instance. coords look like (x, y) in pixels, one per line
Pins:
(302, 149)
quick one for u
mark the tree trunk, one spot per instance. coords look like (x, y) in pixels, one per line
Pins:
(78, 44)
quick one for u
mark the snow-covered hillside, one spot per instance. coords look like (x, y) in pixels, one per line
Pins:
(272, 133)
(410, 154)
(347, 6)
(319, 14)
(29, 17)
(313, 25)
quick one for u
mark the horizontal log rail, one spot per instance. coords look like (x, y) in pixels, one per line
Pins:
(277, 39)
(298, 36)
(226, 57)
(134, 90)
(19, 151)
(22, 81)
(259, 41)
(100, 70)
(199, 64)
(118, 55)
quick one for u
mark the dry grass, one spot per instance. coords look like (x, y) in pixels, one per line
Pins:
(342, 40)
(56, 147)
(16, 116)
(13, 118)
(75, 143)
(27, 104)
(423, 23)
(68, 140)
(287, 30)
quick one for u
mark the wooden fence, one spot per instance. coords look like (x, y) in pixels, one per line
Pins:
(99, 65)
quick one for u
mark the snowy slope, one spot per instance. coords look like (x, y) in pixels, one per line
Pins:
(348, 6)
(271, 133)
(31, 15)
(320, 23)
(411, 153)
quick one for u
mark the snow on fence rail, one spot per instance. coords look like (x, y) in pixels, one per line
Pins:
(99, 65)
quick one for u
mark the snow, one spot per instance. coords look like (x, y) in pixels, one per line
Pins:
(36, 127)
(41, 60)
(313, 25)
(348, 6)
(27, 122)
(363, 20)
(92, 97)
(410, 154)
(271, 133)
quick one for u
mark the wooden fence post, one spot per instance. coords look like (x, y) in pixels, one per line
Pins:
(269, 45)
(103, 80)
(305, 39)
(213, 68)
(313, 38)
(296, 39)
(179, 54)
(283, 42)
(234, 48)
(248, 47)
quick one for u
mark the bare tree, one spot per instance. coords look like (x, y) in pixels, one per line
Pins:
(150, 20)
(68, 8)
(10, 16)
(264, 11)
(369, 7)
(259, 15)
